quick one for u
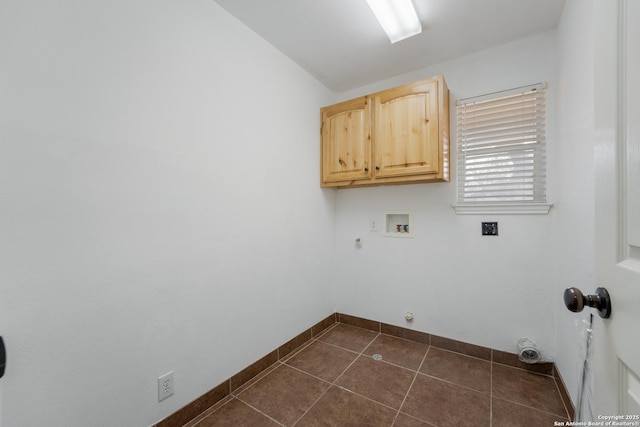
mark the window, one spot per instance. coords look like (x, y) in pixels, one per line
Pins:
(501, 151)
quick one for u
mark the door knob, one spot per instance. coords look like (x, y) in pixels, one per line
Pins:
(575, 301)
(3, 357)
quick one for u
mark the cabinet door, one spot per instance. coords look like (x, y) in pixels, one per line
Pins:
(406, 138)
(346, 141)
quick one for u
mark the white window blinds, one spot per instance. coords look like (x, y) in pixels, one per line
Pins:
(501, 147)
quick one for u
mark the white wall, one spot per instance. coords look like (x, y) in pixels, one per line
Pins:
(149, 221)
(160, 206)
(488, 291)
(574, 224)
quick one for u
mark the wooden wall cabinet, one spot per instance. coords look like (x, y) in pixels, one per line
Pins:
(396, 136)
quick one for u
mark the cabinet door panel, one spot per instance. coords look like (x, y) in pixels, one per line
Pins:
(406, 131)
(346, 136)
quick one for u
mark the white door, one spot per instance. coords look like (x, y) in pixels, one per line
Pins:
(617, 120)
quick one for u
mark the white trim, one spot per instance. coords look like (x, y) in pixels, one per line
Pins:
(501, 93)
(501, 147)
(623, 171)
(503, 208)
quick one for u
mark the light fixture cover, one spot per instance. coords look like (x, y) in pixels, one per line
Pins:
(397, 17)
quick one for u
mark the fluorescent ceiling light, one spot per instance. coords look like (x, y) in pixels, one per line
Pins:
(397, 17)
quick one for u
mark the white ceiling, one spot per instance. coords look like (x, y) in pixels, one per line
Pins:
(342, 45)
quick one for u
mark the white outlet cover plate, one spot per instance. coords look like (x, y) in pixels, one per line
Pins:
(165, 386)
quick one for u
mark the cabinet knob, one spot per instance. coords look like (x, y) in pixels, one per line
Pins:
(366, 169)
(377, 168)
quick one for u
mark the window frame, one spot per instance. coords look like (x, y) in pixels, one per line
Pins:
(540, 206)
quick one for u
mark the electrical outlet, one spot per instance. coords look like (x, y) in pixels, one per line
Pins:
(373, 226)
(165, 386)
(489, 228)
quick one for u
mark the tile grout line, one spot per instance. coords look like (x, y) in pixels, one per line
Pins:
(524, 370)
(417, 371)
(325, 331)
(454, 383)
(336, 379)
(338, 347)
(354, 360)
(283, 362)
(555, 380)
(307, 373)
(411, 385)
(298, 350)
(205, 414)
(529, 407)
(319, 397)
(523, 404)
(469, 355)
(491, 393)
(517, 403)
(279, 362)
(312, 340)
(392, 364)
(256, 379)
(260, 412)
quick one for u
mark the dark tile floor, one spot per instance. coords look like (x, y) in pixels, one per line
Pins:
(338, 380)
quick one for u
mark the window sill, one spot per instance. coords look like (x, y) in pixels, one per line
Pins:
(503, 209)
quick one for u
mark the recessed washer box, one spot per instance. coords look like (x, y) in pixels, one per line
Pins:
(398, 224)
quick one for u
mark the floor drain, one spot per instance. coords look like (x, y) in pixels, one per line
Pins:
(377, 357)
